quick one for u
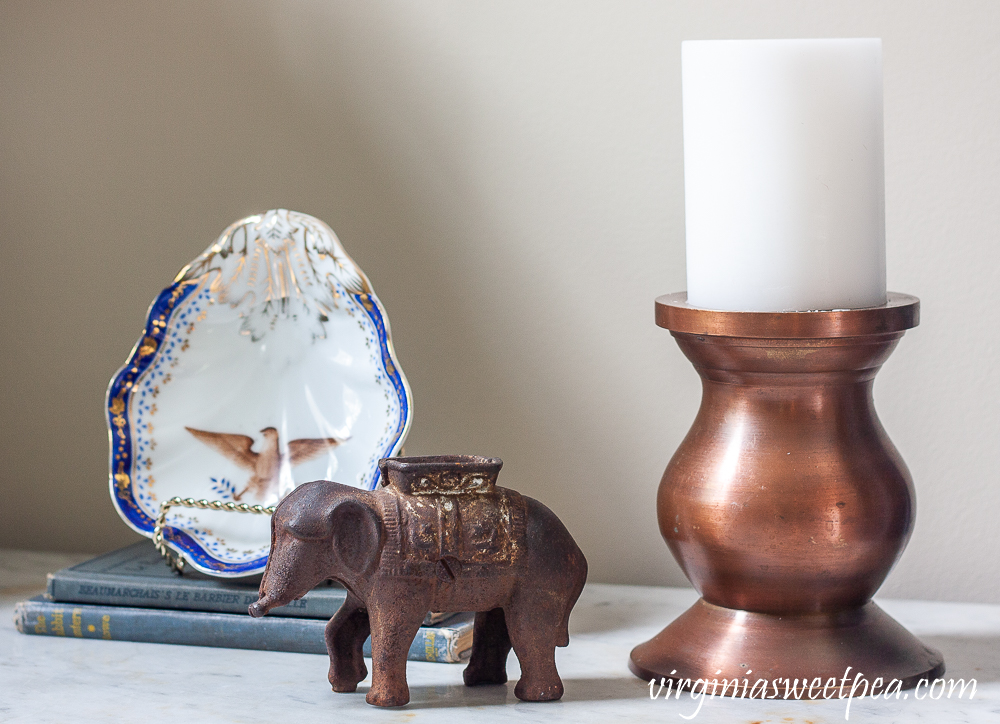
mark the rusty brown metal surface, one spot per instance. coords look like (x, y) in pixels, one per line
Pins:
(442, 508)
(786, 505)
(438, 535)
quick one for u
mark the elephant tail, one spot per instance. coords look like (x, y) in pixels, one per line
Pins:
(578, 563)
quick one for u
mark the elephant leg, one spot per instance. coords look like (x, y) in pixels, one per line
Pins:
(534, 639)
(345, 639)
(490, 646)
(393, 629)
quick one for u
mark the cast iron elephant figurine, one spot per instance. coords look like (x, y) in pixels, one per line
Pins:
(439, 535)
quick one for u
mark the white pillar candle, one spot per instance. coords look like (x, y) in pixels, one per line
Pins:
(783, 174)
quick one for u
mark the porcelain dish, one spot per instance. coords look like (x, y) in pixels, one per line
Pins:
(266, 364)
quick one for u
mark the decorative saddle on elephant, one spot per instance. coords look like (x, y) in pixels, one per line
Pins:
(449, 522)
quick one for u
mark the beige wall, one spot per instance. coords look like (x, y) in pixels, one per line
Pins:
(509, 174)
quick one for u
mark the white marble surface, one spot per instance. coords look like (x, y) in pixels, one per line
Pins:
(45, 679)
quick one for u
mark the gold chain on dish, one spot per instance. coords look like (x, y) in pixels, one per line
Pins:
(177, 562)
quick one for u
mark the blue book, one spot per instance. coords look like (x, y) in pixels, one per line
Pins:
(448, 642)
(137, 575)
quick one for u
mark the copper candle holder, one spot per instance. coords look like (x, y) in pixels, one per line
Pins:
(786, 505)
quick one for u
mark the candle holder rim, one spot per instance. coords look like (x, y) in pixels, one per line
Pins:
(899, 313)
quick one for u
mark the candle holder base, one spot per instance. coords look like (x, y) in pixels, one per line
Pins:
(786, 504)
(862, 641)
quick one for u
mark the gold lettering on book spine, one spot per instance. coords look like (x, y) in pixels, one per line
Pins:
(106, 627)
(429, 648)
(58, 628)
(76, 623)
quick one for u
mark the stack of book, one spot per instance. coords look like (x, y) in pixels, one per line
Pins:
(132, 595)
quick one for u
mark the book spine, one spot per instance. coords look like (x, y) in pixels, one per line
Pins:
(197, 628)
(442, 645)
(176, 595)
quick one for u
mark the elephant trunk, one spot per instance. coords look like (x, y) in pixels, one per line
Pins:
(259, 608)
(266, 598)
(274, 592)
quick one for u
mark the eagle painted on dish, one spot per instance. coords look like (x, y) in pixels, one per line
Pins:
(265, 466)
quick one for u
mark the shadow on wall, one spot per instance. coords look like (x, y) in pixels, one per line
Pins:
(509, 329)
(152, 128)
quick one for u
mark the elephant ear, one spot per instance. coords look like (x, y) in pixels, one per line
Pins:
(357, 535)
